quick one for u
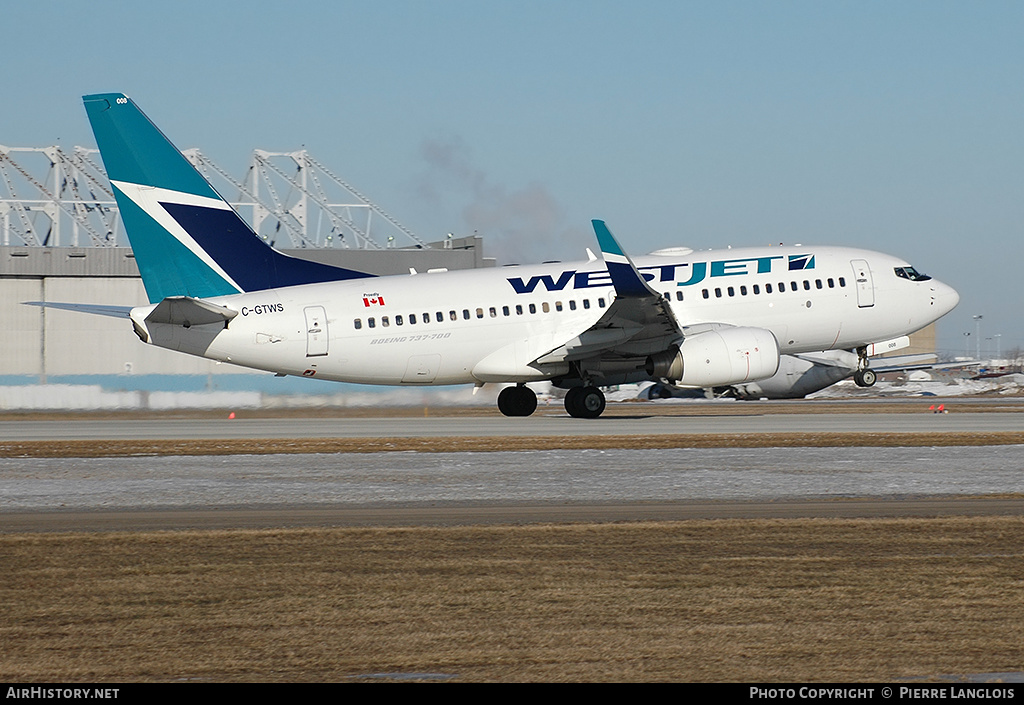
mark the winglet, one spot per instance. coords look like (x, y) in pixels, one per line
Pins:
(628, 282)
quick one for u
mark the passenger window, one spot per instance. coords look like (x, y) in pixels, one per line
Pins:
(586, 303)
(707, 295)
(600, 302)
(359, 324)
(757, 289)
(479, 313)
(504, 310)
(384, 322)
(533, 308)
(493, 312)
(545, 307)
(440, 316)
(842, 281)
(398, 320)
(519, 309)
(558, 305)
(732, 291)
(572, 305)
(372, 323)
(767, 288)
(679, 295)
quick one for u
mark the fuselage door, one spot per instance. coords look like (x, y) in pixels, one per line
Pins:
(865, 287)
(316, 331)
(421, 369)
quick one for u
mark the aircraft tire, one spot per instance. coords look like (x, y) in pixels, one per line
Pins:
(517, 401)
(506, 401)
(592, 402)
(526, 401)
(584, 402)
(572, 401)
(865, 377)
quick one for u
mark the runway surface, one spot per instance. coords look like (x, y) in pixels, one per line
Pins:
(394, 488)
(545, 423)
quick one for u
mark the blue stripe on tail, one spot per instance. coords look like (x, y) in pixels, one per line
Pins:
(249, 261)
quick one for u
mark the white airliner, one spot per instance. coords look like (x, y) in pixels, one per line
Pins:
(698, 319)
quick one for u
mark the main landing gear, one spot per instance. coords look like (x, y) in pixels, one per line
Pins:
(517, 401)
(580, 402)
(584, 402)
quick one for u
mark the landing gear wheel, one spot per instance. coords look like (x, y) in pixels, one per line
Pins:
(572, 400)
(584, 402)
(517, 401)
(864, 378)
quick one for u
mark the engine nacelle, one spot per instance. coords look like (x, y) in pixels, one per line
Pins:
(718, 357)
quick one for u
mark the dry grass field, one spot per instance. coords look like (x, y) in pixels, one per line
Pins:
(724, 600)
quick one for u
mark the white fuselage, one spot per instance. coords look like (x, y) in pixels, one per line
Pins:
(486, 325)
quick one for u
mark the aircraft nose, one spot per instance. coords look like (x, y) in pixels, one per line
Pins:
(945, 297)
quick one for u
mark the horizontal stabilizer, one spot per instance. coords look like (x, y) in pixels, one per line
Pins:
(96, 309)
(186, 311)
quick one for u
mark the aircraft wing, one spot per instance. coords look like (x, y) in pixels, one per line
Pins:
(905, 363)
(638, 321)
(96, 309)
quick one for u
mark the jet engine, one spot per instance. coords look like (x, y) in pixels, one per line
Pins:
(718, 357)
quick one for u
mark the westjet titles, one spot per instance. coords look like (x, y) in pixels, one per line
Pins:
(663, 273)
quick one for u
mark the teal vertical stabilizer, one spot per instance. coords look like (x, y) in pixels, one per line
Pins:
(187, 240)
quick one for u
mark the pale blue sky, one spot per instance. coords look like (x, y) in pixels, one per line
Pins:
(890, 125)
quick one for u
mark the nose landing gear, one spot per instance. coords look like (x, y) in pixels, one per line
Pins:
(864, 376)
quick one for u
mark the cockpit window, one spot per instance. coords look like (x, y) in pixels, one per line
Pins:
(911, 274)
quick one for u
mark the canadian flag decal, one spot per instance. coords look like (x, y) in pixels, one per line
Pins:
(372, 300)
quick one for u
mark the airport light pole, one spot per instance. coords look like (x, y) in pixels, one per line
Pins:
(977, 336)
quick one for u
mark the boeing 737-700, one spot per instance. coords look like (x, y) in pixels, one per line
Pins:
(696, 319)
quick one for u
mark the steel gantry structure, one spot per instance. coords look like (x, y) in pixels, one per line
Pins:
(54, 198)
